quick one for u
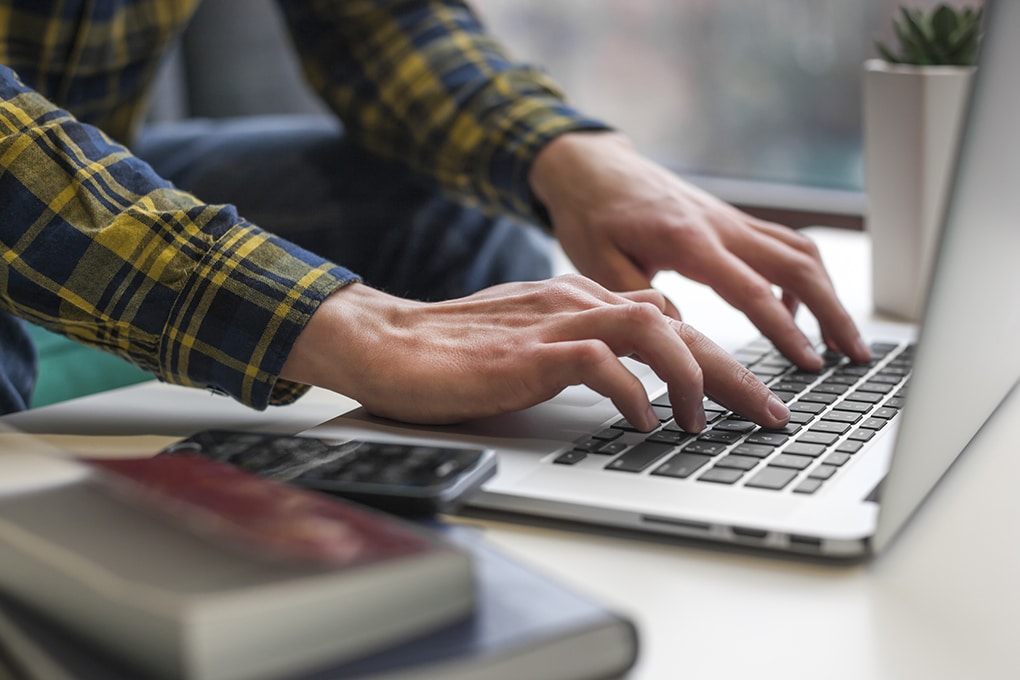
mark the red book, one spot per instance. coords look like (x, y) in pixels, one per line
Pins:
(269, 520)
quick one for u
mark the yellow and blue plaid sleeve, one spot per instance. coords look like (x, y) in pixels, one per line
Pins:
(422, 81)
(99, 248)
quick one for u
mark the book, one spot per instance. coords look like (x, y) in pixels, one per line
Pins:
(183, 567)
(525, 625)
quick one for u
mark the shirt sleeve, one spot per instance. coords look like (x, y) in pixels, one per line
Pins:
(97, 247)
(422, 81)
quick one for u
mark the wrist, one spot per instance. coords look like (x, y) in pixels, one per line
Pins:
(555, 167)
(330, 351)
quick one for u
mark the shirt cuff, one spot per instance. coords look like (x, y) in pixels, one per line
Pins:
(235, 321)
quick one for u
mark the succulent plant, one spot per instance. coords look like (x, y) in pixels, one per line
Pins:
(943, 36)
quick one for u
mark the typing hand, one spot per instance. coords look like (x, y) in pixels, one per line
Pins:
(621, 218)
(512, 346)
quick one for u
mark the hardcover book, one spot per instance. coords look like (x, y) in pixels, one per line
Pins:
(182, 567)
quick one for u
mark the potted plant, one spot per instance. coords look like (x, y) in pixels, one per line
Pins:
(914, 101)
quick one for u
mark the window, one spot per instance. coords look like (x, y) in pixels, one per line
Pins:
(744, 91)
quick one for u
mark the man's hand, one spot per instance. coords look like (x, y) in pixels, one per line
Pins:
(621, 218)
(512, 346)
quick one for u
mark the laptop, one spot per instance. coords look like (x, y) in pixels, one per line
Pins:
(866, 444)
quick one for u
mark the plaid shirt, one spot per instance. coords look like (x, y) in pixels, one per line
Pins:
(97, 247)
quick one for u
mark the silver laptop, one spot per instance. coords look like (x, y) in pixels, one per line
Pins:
(868, 442)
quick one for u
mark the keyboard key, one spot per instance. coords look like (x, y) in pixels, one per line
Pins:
(682, 465)
(895, 402)
(788, 429)
(803, 377)
(842, 380)
(768, 438)
(786, 386)
(771, 477)
(738, 462)
(802, 449)
(886, 378)
(808, 486)
(862, 435)
(667, 436)
(839, 416)
(607, 434)
(823, 472)
(807, 407)
(784, 396)
(829, 426)
(885, 412)
(801, 418)
(823, 438)
(714, 435)
(624, 425)
(880, 388)
(868, 397)
(874, 423)
(721, 475)
(819, 397)
(786, 460)
(570, 457)
(640, 457)
(849, 446)
(756, 450)
(830, 388)
(663, 413)
(731, 425)
(611, 449)
(855, 406)
(706, 448)
(836, 459)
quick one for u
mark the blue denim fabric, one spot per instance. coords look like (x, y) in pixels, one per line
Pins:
(299, 177)
(17, 365)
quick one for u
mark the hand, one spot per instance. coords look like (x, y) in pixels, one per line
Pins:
(621, 218)
(512, 346)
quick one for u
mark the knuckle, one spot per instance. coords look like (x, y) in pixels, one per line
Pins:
(640, 313)
(803, 269)
(806, 246)
(757, 292)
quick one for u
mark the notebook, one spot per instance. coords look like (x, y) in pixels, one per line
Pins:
(866, 443)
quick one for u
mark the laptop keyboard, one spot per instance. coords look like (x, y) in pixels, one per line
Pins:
(833, 414)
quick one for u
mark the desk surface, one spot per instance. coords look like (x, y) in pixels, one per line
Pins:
(942, 602)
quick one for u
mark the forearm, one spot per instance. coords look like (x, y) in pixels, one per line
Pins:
(99, 248)
(424, 82)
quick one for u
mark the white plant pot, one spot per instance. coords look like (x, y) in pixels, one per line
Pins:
(912, 120)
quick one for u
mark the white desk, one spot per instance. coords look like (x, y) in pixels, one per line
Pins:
(942, 602)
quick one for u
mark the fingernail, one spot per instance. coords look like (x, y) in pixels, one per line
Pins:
(778, 409)
(700, 422)
(811, 355)
(651, 420)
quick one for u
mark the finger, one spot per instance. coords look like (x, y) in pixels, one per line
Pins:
(791, 302)
(792, 261)
(655, 297)
(593, 363)
(644, 331)
(748, 291)
(731, 383)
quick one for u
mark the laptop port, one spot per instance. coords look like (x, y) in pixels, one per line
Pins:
(746, 532)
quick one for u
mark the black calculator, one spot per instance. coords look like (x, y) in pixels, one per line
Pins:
(412, 480)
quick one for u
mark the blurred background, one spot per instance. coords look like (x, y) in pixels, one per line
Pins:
(756, 100)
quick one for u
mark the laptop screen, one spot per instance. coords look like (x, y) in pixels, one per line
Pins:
(967, 359)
